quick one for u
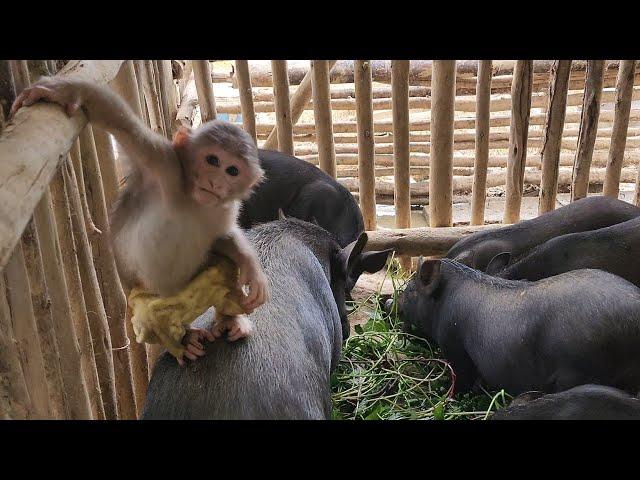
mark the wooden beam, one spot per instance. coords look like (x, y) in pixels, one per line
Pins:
(479, 190)
(204, 87)
(298, 102)
(246, 98)
(519, 128)
(31, 148)
(366, 146)
(322, 116)
(284, 123)
(421, 241)
(588, 129)
(552, 140)
(401, 173)
(443, 84)
(624, 89)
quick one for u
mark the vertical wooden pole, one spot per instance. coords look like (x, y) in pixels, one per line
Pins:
(167, 95)
(151, 97)
(400, 110)
(588, 129)
(624, 91)
(75, 388)
(366, 144)
(107, 158)
(126, 84)
(322, 116)
(20, 71)
(15, 403)
(76, 396)
(44, 321)
(77, 305)
(26, 334)
(298, 102)
(138, 67)
(96, 314)
(113, 296)
(521, 86)
(7, 93)
(443, 96)
(246, 98)
(204, 87)
(552, 136)
(483, 101)
(282, 106)
(37, 302)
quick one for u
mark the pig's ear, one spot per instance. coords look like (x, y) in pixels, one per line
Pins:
(466, 258)
(350, 253)
(498, 263)
(372, 262)
(430, 274)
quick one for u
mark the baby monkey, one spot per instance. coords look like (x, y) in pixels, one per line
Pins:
(179, 203)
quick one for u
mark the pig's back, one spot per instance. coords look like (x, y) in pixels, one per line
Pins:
(280, 372)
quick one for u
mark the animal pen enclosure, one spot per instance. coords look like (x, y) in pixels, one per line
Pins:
(447, 139)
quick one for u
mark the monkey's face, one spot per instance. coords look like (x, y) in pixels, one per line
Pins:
(215, 175)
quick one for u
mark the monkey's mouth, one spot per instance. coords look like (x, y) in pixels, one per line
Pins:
(210, 192)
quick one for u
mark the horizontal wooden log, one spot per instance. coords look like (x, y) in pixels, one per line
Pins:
(460, 136)
(463, 142)
(465, 103)
(632, 157)
(421, 241)
(386, 126)
(463, 184)
(31, 147)
(465, 86)
(419, 70)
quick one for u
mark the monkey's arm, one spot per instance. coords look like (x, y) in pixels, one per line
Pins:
(236, 246)
(104, 108)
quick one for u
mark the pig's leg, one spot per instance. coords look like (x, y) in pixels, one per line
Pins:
(465, 370)
(237, 326)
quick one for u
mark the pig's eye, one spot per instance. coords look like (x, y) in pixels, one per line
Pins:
(212, 160)
(233, 171)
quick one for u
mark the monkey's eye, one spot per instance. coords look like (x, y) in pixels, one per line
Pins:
(212, 160)
(233, 171)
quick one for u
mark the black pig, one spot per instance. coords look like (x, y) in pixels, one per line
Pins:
(281, 371)
(301, 190)
(575, 328)
(615, 249)
(589, 213)
(586, 402)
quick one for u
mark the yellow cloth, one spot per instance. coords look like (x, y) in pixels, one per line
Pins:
(162, 320)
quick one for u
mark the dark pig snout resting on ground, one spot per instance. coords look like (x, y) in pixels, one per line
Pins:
(575, 328)
(282, 371)
(614, 249)
(589, 213)
(586, 402)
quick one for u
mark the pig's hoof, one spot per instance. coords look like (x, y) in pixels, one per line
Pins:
(236, 327)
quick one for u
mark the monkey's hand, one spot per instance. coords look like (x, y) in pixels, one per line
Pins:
(251, 274)
(64, 92)
(192, 341)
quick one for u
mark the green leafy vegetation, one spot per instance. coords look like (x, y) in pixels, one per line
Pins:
(388, 374)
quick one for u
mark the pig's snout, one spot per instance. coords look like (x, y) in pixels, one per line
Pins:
(388, 305)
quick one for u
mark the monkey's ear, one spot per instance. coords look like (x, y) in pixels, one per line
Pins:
(182, 137)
